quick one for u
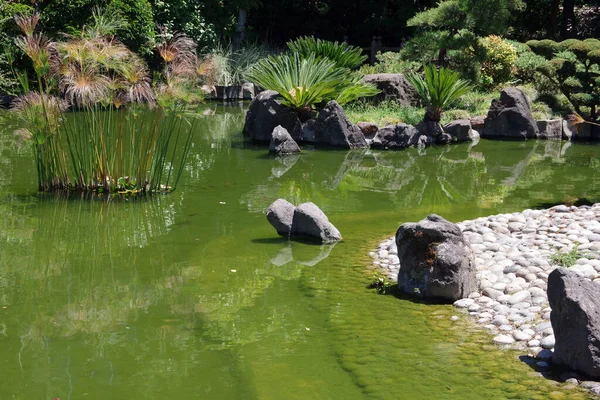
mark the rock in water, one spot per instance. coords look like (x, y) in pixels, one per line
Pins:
(311, 223)
(280, 214)
(460, 130)
(575, 320)
(265, 113)
(398, 136)
(550, 129)
(332, 128)
(435, 260)
(282, 142)
(510, 117)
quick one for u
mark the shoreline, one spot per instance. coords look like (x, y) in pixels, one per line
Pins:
(513, 255)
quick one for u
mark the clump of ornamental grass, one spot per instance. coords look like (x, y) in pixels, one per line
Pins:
(128, 135)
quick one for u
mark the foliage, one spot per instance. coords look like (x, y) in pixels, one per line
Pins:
(10, 63)
(302, 82)
(305, 82)
(440, 88)
(566, 259)
(445, 31)
(391, 63)
(573, 66)
(342, 54)
(382, 284)
(113, 145)
(228, 66)
(384, 113)
(498, 60)
(69, 16)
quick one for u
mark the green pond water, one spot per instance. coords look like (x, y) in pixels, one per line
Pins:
(192, 295)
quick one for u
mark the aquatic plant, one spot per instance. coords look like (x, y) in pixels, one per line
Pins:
(438, 90)
(129, 136)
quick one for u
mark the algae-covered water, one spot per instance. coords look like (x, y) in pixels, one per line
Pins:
(192, 295)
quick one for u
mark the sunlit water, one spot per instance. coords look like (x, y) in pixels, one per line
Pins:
(193, 296)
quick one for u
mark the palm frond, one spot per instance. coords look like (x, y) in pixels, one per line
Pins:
(342, 54)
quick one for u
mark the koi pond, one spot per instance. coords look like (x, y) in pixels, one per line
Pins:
(192, 295)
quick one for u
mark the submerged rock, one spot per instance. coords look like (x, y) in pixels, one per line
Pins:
(265, 113)
(510, 117)
(280, 215)
(435, 260)
(282, 142)
(310, 222)
(575, 320)
(332, 128)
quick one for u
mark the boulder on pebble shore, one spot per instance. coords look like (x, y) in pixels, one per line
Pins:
(436, 262)
(282, 142)
(280, 215)
(306, 221)
(267, 112)
(575, 320)
(310, 222)
(333, 129)
(510, 117)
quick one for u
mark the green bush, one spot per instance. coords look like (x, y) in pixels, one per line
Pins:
(498, 60)
(341, 54)
(391, 63)
(306, 82)
(573, 67)
(438, 90)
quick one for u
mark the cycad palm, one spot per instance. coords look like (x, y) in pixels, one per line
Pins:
(440, 88)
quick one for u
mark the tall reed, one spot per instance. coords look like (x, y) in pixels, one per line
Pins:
(125, 136)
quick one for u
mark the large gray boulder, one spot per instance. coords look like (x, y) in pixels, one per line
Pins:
(550, 129)
(396, 137)
(311, 223)
(265, 113)
(280, 214)
(436, 262)
(575, 319)
(510, 117)
(393, 87)
(430, 128)
(332, 128)
(282, 142)
(460, 130)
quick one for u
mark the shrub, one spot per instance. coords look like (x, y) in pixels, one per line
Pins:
(305, 82)
(225, 66)
(498, 60)
(391, 63)
(573, 66)
(341, 54)
(440, 88)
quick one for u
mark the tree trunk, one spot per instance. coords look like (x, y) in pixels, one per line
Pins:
(442, 57)
(569, 23)
(240, 28)
(554, 10)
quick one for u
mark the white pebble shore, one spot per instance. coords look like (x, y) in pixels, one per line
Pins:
(512, 254)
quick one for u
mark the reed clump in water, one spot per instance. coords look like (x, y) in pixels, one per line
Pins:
(127, 135)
